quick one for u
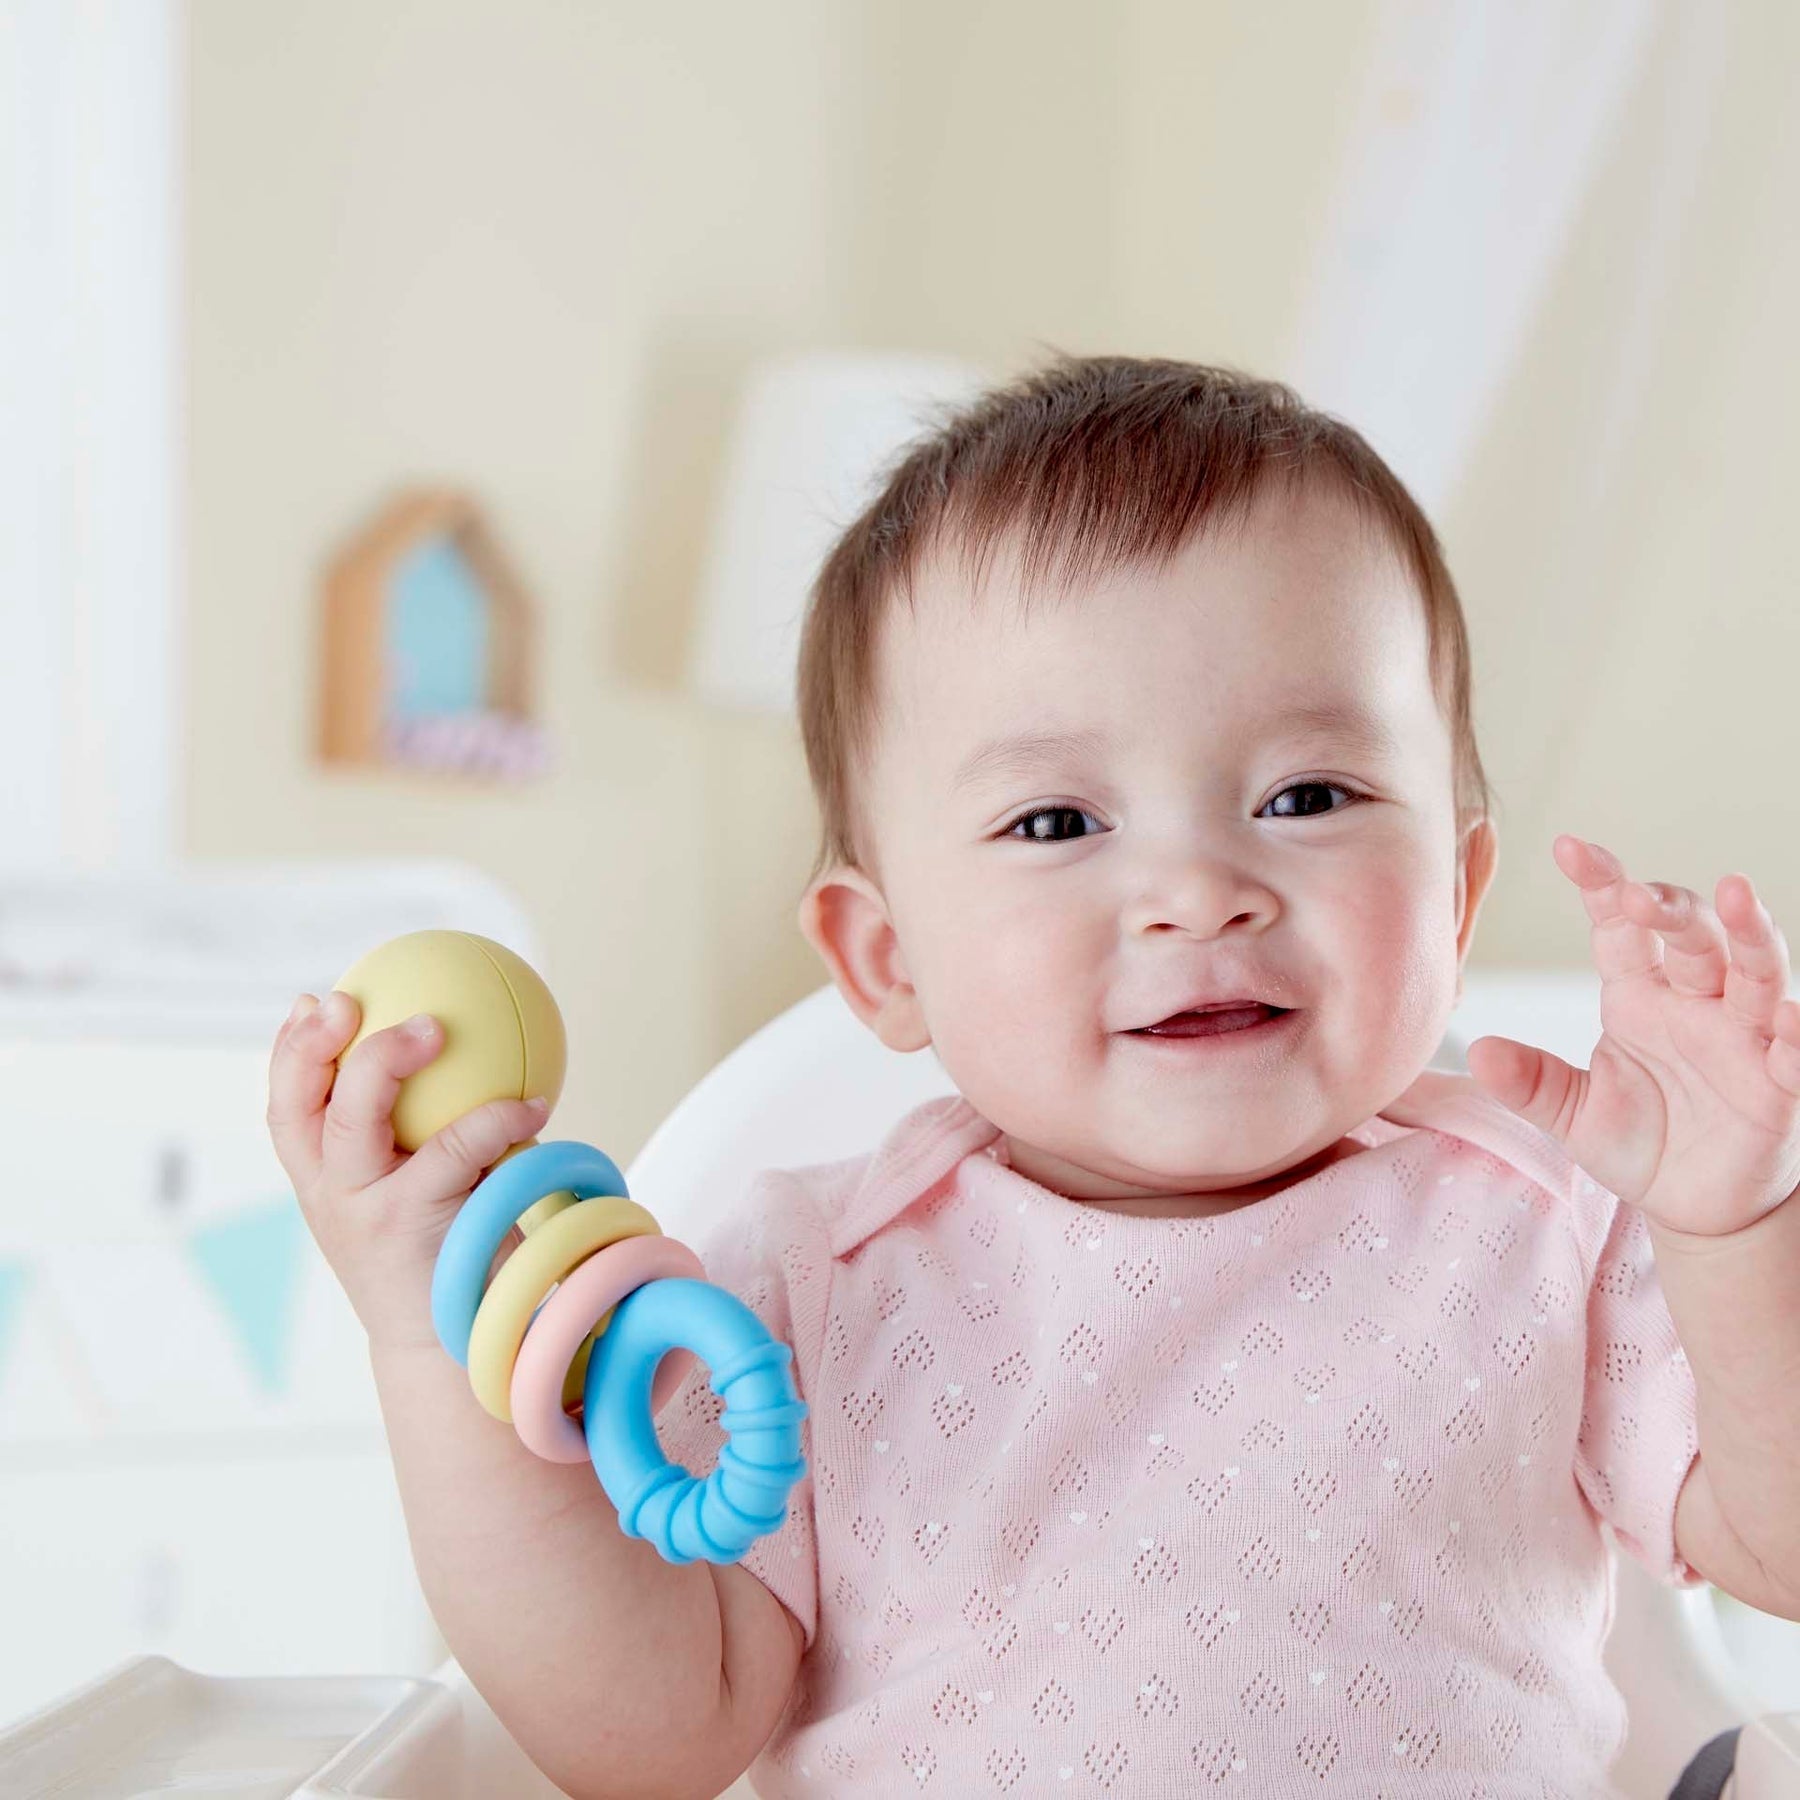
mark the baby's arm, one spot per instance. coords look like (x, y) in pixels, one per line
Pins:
(617, 1673)
(1735, 1301)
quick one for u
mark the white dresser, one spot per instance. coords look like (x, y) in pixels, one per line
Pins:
(191, 1454)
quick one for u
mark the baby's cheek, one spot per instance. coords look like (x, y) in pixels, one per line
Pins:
(1012, 992)
(1396, 953)
(1017, 960)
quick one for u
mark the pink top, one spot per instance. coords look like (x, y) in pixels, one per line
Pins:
(1100, 1503)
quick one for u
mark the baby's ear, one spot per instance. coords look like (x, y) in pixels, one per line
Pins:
(845, 918)
(1477, 858)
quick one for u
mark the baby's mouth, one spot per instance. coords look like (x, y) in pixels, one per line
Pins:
(1211, 1022)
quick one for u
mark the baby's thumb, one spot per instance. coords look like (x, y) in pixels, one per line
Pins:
(455, 1159)
(1533, 1083)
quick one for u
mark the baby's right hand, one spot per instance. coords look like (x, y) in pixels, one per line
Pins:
(378, 1214)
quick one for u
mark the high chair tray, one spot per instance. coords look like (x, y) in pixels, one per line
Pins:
(151, 1727)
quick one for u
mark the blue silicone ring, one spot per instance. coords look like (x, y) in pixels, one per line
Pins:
(719, 1517)
(459, 1276)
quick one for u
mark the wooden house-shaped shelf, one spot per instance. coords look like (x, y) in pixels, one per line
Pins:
(429, 643)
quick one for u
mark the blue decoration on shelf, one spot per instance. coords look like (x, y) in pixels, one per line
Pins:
(12, 1288)
(253, 1261)
(437, 627)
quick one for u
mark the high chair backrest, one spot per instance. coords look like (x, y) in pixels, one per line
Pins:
(813, 1085)
(816, 1084)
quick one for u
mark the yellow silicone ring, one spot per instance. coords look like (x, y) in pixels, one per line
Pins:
(560, 1244)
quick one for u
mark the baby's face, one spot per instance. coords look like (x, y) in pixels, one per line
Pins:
(1217, 836)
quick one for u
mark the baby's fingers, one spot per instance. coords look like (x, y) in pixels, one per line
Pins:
(358, 1138)
(302, 1066)
(449, 1164)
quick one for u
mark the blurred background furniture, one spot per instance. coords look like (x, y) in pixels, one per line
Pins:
(191, 1453)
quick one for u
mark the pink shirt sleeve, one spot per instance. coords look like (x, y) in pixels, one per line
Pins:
(1638, 1435)
(773, 1254)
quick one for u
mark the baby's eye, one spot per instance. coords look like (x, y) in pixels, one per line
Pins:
(1299, 811)
(1036, 831)
(1045, 834)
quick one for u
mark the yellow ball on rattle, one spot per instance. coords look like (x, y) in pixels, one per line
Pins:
(503, 1034)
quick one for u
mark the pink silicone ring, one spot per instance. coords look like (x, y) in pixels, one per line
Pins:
(594, 1288)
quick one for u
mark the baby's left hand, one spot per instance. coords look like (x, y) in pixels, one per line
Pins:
(1691, 1106)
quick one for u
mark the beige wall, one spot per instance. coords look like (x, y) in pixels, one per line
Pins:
(532, 246)
(1637, 636)
(528, 247)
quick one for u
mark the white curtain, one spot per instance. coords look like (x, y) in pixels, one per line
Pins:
(89, 179)
(1480, 127)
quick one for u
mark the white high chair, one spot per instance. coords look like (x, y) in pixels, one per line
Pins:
(815, 1085)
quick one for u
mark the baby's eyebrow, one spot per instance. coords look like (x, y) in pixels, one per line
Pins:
(1348, 723)
(1016, 753)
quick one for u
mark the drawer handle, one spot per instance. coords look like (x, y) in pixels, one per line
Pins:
(173, 1178)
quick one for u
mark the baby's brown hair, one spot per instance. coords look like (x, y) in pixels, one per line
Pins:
(1089, 464)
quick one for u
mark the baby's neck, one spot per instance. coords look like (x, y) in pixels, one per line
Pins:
(1208, 1205)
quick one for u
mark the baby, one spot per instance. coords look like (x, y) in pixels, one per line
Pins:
(1209, 1394)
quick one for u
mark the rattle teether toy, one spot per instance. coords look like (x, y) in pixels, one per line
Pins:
(629, 1305)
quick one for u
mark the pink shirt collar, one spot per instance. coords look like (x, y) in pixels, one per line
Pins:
(925, 1147)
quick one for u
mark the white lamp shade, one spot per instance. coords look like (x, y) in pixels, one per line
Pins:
(815, 435)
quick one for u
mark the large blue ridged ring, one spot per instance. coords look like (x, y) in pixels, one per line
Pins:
(480, 1227)
(745, 1497)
